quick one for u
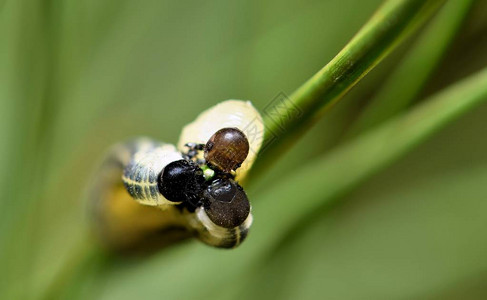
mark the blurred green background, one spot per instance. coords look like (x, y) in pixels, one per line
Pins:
(78, 76)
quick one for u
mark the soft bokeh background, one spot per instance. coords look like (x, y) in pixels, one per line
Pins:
(78, 76)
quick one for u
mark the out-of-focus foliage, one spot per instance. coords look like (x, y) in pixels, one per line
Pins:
(78, 76)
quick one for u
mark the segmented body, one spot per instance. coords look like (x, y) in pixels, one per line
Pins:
(128, 178)
(147, 160)
(217, 236)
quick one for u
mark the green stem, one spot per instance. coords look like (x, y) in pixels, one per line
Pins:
(407, 80)
(366, 155)
(287, 120)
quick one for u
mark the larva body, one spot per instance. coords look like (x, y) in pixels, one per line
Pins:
(131, 213)
(230, 113)
(147, 160)
(121, 222)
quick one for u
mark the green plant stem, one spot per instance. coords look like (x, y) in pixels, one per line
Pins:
(394, 20)
(347, 166)
(407, 80)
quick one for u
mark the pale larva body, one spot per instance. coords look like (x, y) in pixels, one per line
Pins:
(231, 113)
(129, 209)
(146, 162)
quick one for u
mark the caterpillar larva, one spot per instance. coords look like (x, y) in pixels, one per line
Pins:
(147, 194)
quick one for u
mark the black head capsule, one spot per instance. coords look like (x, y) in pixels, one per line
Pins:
(181, 181)
(226, 203)
(227, 149)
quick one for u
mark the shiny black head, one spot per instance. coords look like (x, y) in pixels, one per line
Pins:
(227, 149)
(226, 203)
(182, 181)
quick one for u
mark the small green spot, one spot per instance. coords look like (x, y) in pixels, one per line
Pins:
(207, 172)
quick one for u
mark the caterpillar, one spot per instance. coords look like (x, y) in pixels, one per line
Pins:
(148, 194)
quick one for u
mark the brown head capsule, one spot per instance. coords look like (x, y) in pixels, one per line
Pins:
(227, 149)
(226, 203)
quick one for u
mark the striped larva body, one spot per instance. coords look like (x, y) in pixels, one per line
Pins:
(122, 221)
(146, 160)
(149, 194)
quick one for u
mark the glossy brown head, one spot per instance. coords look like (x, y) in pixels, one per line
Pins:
(227, 149)
(226, 203)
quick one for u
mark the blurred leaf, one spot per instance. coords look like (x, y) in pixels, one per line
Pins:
(407, 80)
(415, 241)
(24, 73)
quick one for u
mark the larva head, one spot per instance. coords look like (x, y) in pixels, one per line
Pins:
(226, 149)
(181, 181)
(226, 203)
(230, 113)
